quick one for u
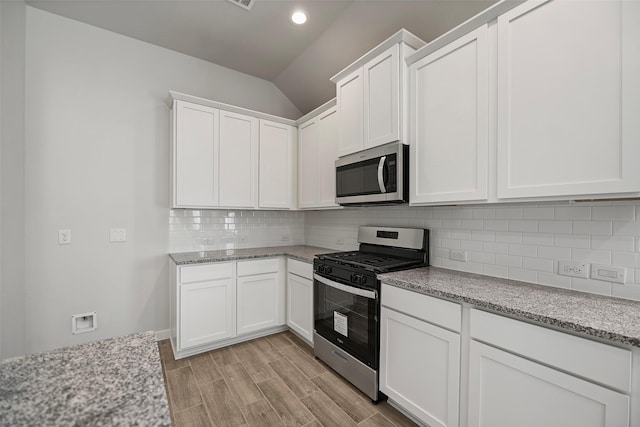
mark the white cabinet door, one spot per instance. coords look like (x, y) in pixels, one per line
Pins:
(195, 155)
(382, 98)
(300, 305)
(449, 120)
(349, 97)
(308, 164)
(327, 154)
(568, 98)
(259, 304)
(206, 313)
(276, 165)
(420, 367)
(238, 160)
(506, 390)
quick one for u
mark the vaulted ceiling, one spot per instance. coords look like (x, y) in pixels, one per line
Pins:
(263, 42)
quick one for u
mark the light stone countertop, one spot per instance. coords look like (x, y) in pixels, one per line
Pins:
(117, 381)
(299, 252)
(611, 319)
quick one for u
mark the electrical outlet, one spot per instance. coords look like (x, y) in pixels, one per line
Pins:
(207, 241)
(573, 269)
(243, 239)
(64, 236)
(340, 241)
(286, 238)
(456, 255)
(608, 273)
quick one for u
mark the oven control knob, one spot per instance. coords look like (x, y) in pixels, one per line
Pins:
(327, 269)
(354, 278)
(362, 279)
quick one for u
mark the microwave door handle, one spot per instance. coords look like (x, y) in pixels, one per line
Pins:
(345, 288)
(383, 188)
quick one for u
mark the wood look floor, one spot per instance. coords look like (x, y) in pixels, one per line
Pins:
(269, 381)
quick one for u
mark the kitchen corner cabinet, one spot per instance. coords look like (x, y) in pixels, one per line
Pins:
(568, 99)
(521, 374)
(317, 150)
(371, 96)
(277, 172)
(420, 355)
(300, 298)
(260, 295)
(448, 122)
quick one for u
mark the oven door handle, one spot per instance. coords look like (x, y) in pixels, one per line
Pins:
(349, 289)
(381, 184)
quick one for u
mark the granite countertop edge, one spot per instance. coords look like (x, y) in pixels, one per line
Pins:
(490, 305)
(299, 252)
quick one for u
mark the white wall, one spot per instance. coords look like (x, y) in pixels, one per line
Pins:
(519, 241)
(97, 156)
(12, 201)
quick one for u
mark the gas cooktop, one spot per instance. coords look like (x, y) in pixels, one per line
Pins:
(371, 261)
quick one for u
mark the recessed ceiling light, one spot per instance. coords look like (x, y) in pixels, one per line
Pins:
(298, 17)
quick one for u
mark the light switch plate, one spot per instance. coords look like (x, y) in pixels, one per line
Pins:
(64, 236)
(457, 255)
(118, 235)
(608, 273)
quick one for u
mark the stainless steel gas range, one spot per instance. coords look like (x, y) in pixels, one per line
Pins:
(346, 300)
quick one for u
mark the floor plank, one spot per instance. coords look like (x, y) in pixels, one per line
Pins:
(205, 368)
(241, 385)
(265, 350)
(183, 390)
(377, 420)
(225, 356)
(351, 401)
(300, 343)
(303, 361)
(297, 382)
(279, 340)
(221, 405)
(286, 404)
(326, 410)
(261, 414)
(193, 417)
(254, 363)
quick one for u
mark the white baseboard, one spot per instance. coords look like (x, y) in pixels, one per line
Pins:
(163, 335)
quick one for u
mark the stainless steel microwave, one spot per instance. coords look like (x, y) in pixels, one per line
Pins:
(379, 175)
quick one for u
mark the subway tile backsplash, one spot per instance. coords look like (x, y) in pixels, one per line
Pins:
(202, 230)
(517, 241)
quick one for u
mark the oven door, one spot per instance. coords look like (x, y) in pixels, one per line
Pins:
(347, 316)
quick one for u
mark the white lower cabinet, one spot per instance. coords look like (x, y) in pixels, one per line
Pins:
(300, 298)
(260, 295)
(419, 361)
(218, 304)
(206, 312)
(507, 390)
(541, 377)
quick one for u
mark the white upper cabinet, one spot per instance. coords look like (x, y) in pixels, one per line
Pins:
(350, 106)
(448, 122)
(195, 155)
(276, 165)
(372, 93)
(317, 151)
(229, 157)
(239, 165)
(381, 98)
(568, 99)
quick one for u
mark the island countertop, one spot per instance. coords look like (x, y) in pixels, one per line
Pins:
(299, 252)
(117, 381)
(611, 319)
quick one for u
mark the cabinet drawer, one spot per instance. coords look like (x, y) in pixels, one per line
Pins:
(580, 356)
(199, 273)
(299, 268)
(433, 310)
(248, 268)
